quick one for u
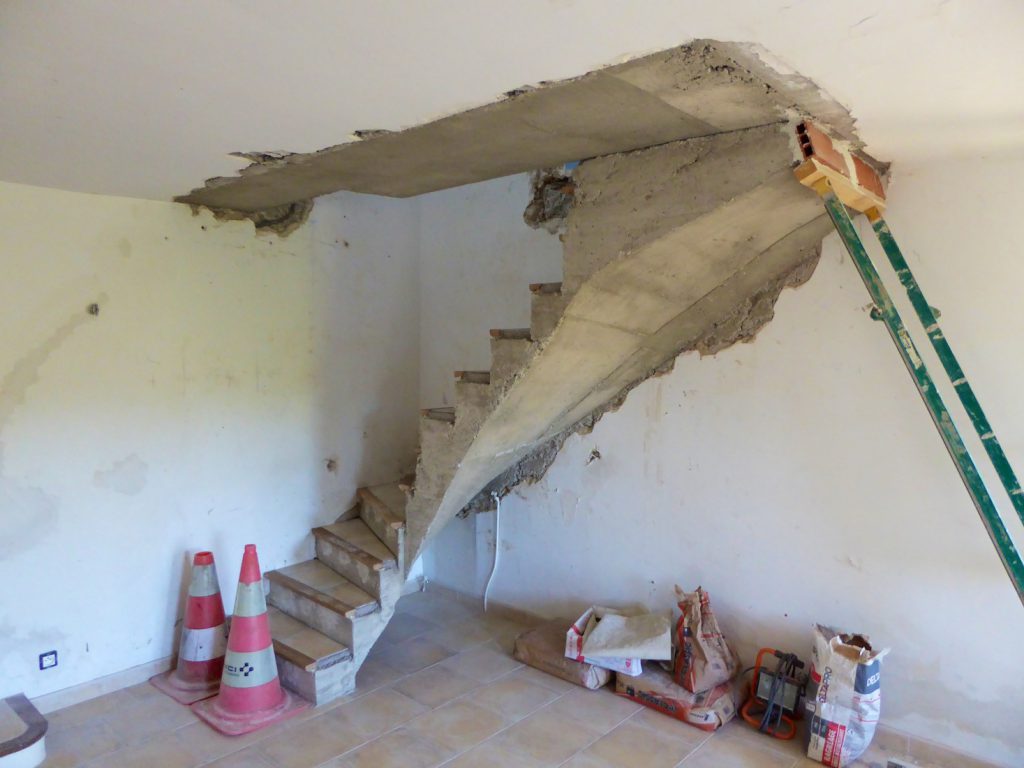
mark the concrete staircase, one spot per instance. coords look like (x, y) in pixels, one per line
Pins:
(680, 247)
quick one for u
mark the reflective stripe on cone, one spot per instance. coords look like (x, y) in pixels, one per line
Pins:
(203, 642)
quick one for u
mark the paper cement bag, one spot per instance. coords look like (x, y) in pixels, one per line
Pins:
(541, 648)
(843, 698)
(647, 636)
(703, 658)
(577, 636)
(655, 688)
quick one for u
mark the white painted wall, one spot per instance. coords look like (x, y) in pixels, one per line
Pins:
(800, 480)
(197, 410)
(477, 260)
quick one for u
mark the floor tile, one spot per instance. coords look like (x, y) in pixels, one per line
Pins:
(310, 743)
(556, 684)
(398, 749)
(71, 745)
(460, 636)
(548, 737)
(164, 750)
(90, 711)
(718, 752)
(599, 709)
(375, 674)
(377, 712)
(411, 655)
(491, 754)
(146, 718)
(669, 726)
(458, 725)
(632, 744)
(405, 626)
(246, 758)
(440, 610)
(484, 663)
(513, 696)
(435, 686)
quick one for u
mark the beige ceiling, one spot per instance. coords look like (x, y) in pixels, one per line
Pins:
(149, 98)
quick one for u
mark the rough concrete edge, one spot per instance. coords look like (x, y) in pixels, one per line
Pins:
(742, 326)
(797, 92)
(281, 220)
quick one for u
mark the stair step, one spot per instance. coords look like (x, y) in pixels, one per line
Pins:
(508, 356)
(22, 732)
(440, 414)
(303, 646)
(474, 377)
(510, 333)
(361, 544)
(545, 287)
(382, 508)
(352, 603)
(390, 499)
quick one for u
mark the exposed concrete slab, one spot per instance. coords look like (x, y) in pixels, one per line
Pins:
(698, 89)
(682, 246)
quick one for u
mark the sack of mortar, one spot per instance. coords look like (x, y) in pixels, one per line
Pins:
(541, 648)
(843, 698)
(656, 689)
(703, 658)
(579, 632)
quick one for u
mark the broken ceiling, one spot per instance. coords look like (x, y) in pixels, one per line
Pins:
(700, 89)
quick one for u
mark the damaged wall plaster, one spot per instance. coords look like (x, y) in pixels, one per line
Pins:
(796, 434)
(194, 411)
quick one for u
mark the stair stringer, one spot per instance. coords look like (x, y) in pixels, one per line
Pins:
(699, 262)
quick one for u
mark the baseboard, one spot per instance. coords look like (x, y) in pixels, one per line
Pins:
(76, 694)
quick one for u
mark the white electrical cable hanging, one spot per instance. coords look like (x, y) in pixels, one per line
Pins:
(497, 545)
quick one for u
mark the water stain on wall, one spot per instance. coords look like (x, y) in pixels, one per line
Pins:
(29, 511)
(127, 476)
(30, 514)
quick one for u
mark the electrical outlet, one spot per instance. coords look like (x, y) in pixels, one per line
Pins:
(48, 660)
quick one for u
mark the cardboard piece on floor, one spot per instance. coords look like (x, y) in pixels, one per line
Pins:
(541, 648)
(655, 688)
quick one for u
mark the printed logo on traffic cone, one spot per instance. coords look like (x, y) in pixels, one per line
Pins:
(251, 696)
(201, 655)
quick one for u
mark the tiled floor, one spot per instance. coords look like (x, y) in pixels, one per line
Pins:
(440, 688)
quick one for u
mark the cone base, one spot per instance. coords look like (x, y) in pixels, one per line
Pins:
(235, 724)
(184, 692)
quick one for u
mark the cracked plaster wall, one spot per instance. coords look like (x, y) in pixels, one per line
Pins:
(812, 436)
(196, 410)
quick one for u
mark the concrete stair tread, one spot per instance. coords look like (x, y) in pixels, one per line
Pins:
(473, 377)
(545, 287)
(325, 586)
(510, 333)
(357, 538)
(446, 413)
(302, 645)
(393, 499)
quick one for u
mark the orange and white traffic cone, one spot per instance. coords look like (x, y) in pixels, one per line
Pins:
(201, 655)
(251, 696)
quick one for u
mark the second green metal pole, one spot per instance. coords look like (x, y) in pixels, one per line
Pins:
(956, 374)
(926, 387)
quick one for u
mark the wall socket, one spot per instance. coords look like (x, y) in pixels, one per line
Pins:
(48, 660)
